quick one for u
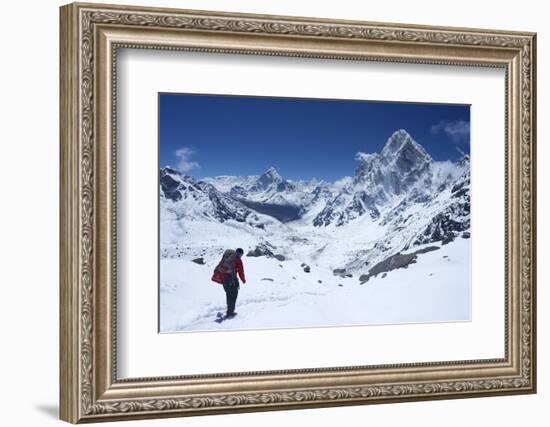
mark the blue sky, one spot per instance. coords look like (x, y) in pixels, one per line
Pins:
(210, 135)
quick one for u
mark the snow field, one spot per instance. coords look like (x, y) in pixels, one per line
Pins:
(435, 289)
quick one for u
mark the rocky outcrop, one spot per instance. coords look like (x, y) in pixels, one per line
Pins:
(398, 260)
(265, 249)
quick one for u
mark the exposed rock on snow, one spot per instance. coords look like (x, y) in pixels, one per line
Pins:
(426, 249)
(199, 261)
(339, 272)
(391, 263)
(364, 278)
(398, 260)
(262, 249)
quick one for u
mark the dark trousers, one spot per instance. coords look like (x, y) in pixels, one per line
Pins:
(231, 288)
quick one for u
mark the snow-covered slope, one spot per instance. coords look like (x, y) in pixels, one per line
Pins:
(397, 203)
(194, 209)
(281, 295)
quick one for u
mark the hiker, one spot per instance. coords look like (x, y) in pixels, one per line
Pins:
(226, 272)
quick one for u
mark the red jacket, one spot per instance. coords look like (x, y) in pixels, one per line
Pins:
(239, 269)
(220, 277)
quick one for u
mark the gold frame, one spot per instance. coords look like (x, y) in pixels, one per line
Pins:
(90, 36)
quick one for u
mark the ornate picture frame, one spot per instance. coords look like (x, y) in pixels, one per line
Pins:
(90, 389)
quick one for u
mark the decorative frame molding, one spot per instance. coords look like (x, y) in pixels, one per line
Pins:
(90, 36)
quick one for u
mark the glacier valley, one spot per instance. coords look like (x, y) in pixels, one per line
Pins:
(388, 244)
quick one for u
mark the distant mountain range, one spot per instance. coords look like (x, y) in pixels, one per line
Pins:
(395, 199)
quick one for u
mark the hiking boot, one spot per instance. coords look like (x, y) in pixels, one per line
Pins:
(230, 315)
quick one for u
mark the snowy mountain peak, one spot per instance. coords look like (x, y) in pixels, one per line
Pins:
(270, 175)
(401, 163)
(465, 161)
(271, 181)
(402, 144)
(272, 171)
(403, 168)
(168, 170)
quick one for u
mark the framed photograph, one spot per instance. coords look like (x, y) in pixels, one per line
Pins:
(267, 212)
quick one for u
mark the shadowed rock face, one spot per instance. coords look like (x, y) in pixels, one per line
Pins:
(451, 222)
(238, 192)
(224, 207)
(343, 209)
(170, 187)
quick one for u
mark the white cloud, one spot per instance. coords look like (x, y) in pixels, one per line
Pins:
(458, 131)
(184, 164)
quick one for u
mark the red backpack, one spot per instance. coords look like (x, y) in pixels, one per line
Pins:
(225, 266)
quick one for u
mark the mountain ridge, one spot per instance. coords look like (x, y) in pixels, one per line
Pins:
(397, 199)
